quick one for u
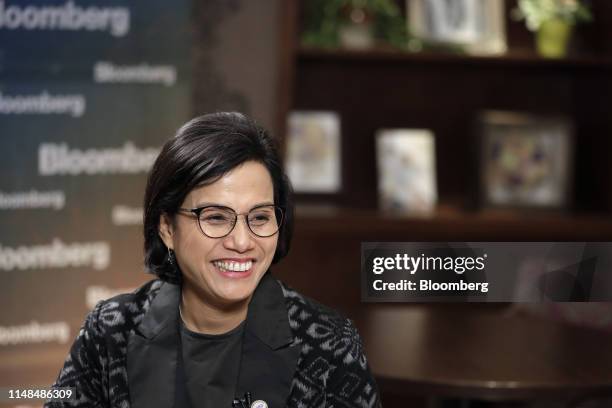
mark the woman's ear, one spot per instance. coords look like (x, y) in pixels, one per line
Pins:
(166, 230)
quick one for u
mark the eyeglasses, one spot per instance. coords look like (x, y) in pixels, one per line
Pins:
(218, 221)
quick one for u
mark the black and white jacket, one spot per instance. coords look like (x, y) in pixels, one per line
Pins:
(296, 353)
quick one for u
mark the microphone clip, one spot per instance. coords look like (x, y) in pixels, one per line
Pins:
(247, 402)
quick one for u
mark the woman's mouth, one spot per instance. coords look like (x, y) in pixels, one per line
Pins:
(234, 269)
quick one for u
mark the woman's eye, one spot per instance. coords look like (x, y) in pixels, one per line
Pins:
(260, 218)
(215, 218)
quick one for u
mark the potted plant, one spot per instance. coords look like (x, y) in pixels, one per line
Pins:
(553, 22)
(353, 23)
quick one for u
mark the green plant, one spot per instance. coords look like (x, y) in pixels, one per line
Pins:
(324, 18)
(535, 12)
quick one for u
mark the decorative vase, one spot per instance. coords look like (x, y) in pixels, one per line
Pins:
(356, 36)
(357, 30)
(552, 38)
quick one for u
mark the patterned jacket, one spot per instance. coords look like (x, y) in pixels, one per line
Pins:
(295, 353)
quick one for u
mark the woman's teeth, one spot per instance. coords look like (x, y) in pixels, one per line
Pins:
(234, 266)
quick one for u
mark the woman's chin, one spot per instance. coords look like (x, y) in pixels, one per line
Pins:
(234, 293)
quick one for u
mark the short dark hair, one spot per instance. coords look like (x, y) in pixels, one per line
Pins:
(202, 151)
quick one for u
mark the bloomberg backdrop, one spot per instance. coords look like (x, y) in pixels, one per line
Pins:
(89, 91)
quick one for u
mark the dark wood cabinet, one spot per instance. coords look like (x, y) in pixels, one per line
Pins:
(383, 88)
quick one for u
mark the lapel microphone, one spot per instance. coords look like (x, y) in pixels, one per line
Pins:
(247, 402)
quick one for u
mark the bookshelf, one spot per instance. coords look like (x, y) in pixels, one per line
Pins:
(385, 88)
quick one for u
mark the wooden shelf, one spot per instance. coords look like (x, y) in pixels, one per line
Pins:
(453, 224)
(515, 58)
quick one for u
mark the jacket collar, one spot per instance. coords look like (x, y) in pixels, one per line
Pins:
(162, 313)
(268, 360)
(267, 317)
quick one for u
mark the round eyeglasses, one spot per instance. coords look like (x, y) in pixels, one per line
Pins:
(218, 221)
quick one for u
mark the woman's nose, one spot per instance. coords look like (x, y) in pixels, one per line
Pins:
(241, 238)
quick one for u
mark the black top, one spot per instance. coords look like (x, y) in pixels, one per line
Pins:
(211, 364)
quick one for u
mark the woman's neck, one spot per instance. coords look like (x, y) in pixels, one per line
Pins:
(202, 317)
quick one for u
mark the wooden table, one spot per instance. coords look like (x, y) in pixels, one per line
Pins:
(454, 352)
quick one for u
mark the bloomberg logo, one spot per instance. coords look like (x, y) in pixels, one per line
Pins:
(67, 17)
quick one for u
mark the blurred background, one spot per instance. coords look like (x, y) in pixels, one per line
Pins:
(408, 120)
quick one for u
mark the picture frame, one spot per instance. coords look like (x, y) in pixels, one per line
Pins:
(477, 26)
(313, 162)
(406, 167)
(526, 161)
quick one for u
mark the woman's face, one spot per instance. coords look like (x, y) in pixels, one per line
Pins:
(202, 259)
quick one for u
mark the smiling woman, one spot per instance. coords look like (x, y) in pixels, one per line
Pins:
(216, 325)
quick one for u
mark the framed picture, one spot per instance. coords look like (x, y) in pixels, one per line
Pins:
(476, 25)
(526, 160)
(313, 151)
(406, 170)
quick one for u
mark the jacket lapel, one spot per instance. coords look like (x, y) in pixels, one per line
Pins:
(269, 357)
(152, 352)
